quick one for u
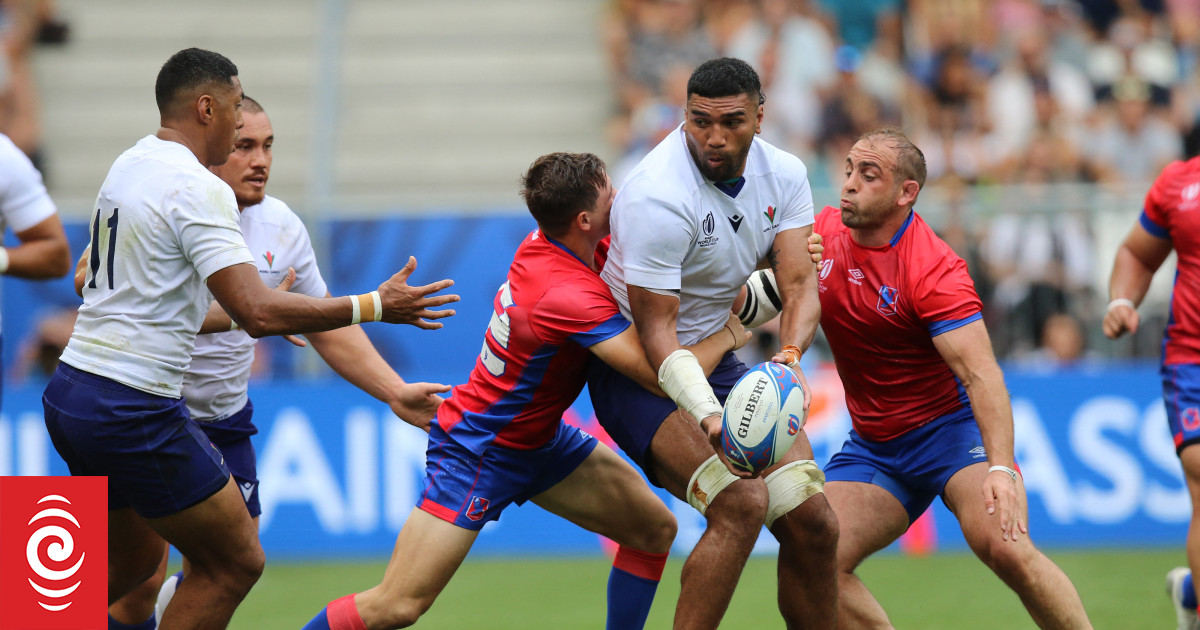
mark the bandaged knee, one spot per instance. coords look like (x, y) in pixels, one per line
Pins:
(707, 482)
(762, 299)
(790, 486)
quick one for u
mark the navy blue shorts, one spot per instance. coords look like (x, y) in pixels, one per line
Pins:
(232, 436)
(469, 490)
(156, 458)
(1181, 393)
(914, 467)
(631, 414)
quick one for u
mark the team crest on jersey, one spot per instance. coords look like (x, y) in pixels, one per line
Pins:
(270, 258)
(1190, 419)
(709, 224)
(1188, 196)
(770, 214)
(887, 300)
(479, 506)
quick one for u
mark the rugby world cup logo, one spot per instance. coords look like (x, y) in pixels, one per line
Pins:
(53, 552)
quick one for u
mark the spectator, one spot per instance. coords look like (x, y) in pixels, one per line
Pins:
(1132, 144)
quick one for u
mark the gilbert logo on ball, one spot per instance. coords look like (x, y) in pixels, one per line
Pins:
(53, 553)
(763, 414)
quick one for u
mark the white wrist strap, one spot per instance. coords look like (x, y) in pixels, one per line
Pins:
(358, 303)
(1005, 469)
(682, 378)
(3, 260)
(1121, 302)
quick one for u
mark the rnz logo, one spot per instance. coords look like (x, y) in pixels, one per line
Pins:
(53, 553)
(55, 584)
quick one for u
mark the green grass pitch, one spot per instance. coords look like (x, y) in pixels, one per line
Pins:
(1122, 589)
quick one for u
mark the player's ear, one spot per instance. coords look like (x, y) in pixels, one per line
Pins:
(204, 107)
(908, 192)
(583, 221)
(758, 119)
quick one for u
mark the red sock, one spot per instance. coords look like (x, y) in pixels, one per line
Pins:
(343, 614)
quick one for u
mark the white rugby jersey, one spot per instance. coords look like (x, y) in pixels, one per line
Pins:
(24, 201)
(162, 225)
(216, 383)
(673, 230)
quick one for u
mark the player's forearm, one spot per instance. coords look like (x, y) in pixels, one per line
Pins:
(349, 352)
(796, 278)
(1130, 277)
(993, 412)
(654, 317)
(280, 313)
(39, 260)
(216, 320)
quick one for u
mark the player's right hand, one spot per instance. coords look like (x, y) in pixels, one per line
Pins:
(816, 247)
(741, 336)
(407, 304)
(712, 427)
(1120, 319)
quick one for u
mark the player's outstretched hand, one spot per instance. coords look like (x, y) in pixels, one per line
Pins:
(815, 247)
(712, 427)
(407, 304)
(1120, 319)
(289, 279)
(417, 403)
(1002, 500)
(790, 356)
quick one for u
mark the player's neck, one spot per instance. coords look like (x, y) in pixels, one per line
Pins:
(580, 245)
(883, 234)
(171, 134)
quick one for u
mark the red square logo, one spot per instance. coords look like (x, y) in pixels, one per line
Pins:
(53, 553)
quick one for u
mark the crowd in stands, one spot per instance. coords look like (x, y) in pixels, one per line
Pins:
(1024, 95)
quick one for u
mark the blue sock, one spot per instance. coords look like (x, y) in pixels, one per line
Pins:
(1189, 593)
(148, 624)
(320, 622)
(631, 586)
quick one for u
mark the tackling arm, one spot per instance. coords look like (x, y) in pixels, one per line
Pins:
(626, 355)
(968, 351)
(1140, 255)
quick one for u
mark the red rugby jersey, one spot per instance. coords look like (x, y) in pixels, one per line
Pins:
(532, 366)
(880, 309)
(1172, 211)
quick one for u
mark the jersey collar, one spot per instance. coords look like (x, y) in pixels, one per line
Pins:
(903, 228)
(564, 248)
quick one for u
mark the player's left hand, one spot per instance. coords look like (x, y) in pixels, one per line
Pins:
(712, 428)
(417, 403)
(790, 356)
(1002, 499)
(815, 247)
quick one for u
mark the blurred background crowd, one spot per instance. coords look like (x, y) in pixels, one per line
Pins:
(1036, 106)
(1043, 121)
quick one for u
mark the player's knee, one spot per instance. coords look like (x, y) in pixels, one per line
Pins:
(1007, 559)
(740, 505)
(403, 612)
(660, 535)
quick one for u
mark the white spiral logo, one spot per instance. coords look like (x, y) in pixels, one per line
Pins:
(59, 550)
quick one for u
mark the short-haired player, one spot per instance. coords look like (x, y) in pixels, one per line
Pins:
(163, 230)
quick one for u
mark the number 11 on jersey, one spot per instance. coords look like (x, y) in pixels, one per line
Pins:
(111, 249)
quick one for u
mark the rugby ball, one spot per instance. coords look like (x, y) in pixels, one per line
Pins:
(763, 414)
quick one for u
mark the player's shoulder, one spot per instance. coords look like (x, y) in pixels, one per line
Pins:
(769, 158)
(10, 154)
(274, 211)
(1177, 174)
(665, 175)
(829, 221)
(922, 248)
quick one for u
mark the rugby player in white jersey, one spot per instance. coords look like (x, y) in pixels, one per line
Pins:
(164, 227)
(215, 388)
(690, 224)
(26, 207)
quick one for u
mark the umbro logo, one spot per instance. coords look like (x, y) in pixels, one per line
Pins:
(978, 452)
(735, 221)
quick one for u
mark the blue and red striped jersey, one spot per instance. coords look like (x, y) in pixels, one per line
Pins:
(881, 307)
(532, 366)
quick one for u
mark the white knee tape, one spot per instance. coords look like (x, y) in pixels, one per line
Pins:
(707, 482)
(790, 486)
